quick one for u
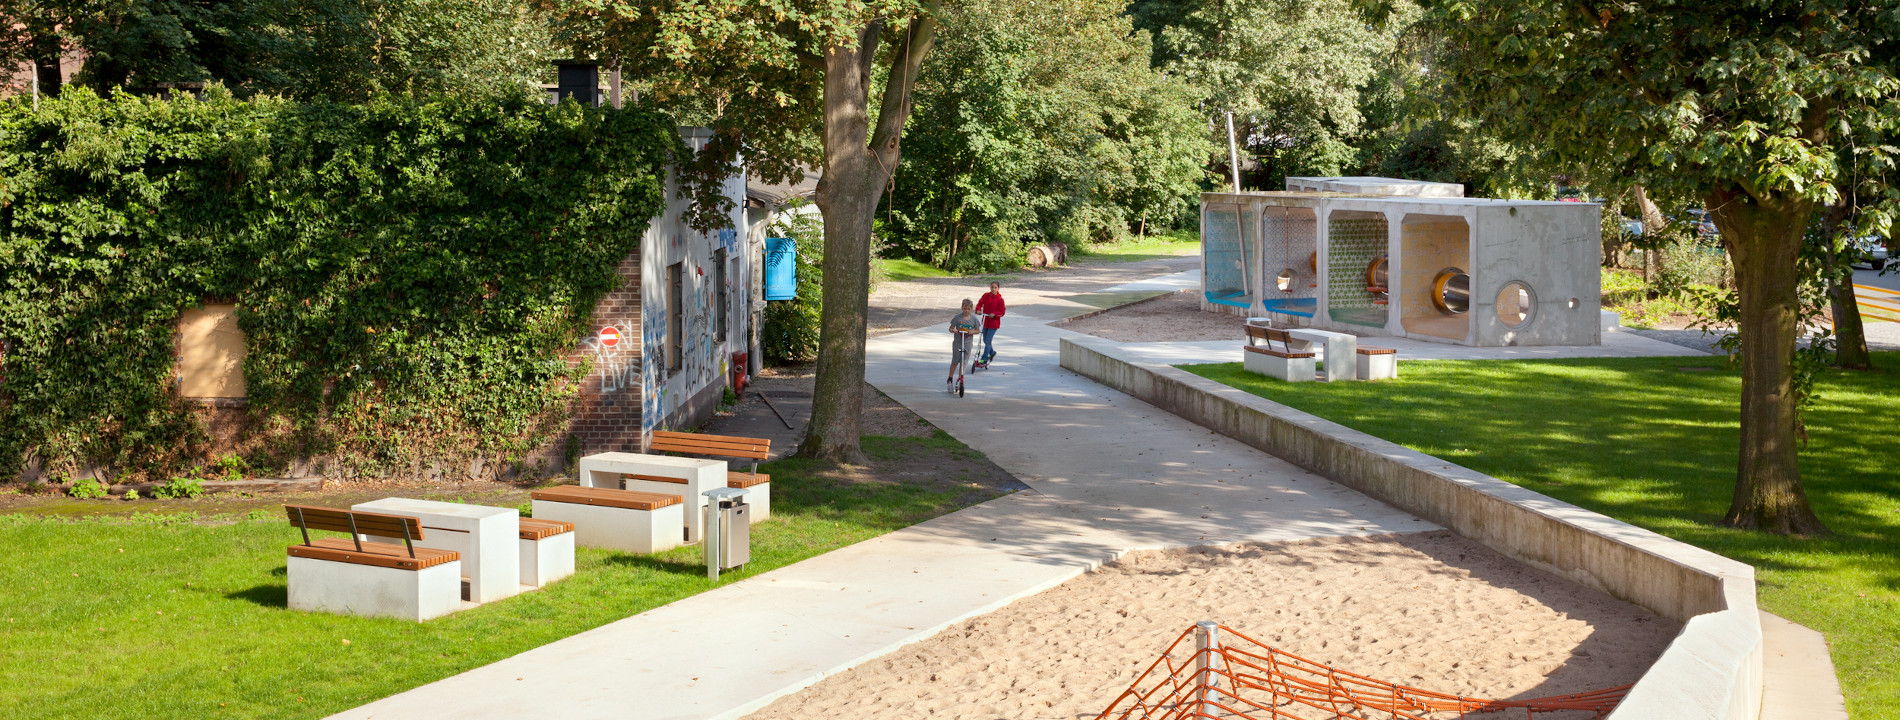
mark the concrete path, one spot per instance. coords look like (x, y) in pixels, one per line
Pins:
(1109, 474)
(1798, 681)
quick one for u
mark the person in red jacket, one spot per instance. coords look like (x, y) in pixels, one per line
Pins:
(990, 306)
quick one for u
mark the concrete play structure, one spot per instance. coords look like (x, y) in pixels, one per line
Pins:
(1424, 264)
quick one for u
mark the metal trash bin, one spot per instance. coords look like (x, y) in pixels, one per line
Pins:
(728, 542)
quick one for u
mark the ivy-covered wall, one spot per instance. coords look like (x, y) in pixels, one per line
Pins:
(411, 276)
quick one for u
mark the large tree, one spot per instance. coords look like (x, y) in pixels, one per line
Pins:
(1289, 70)
(1741, 103)
(1039, 122)
(769, 75)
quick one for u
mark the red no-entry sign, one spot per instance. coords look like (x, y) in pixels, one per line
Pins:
(609, 336)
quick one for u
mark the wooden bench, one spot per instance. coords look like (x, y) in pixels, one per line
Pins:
(374, 579)
(1377, 363)
(629, 520)
(725, 446)
(1283, 362)
(547, 550)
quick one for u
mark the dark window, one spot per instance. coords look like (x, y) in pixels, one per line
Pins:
(675, 316)
(721, 311)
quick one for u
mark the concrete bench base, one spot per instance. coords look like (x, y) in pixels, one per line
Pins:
(1378, 367)
(370, 591)
(1288, 369)
(635, 531)
(546, 560)
(760, 498)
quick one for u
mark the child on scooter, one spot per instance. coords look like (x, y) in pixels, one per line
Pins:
(963, 328)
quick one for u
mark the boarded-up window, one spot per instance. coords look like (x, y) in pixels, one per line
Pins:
(210, 353)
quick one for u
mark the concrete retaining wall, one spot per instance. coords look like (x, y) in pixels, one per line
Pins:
(1712, 670)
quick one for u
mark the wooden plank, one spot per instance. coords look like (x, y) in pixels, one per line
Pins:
(1363, 350)
(1255, 331)
(712, 448)
(334, 520)
(377, 554)
(657, 478)
(607, 497)
(721, 438)
(533, 529)
(746, 480)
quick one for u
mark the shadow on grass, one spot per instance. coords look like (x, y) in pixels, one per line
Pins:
(269, 595)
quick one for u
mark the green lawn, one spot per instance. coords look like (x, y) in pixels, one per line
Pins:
(176, 616)
(1174, 243)
(906, 269)
(1653, 442)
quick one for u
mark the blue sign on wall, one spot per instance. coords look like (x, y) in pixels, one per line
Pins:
(781, 269)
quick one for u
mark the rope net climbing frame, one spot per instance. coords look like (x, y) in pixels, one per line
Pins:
(1223, 675)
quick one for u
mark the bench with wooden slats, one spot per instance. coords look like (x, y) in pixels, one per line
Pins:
(353, 550)
(606, 497)
(1364, 350)
(754, 449)
(533, 529)
(1272, 335)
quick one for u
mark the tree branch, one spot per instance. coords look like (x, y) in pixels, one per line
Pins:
(895, 109)
(789, 30)
(868, 39)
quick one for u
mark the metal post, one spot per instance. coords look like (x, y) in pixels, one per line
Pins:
(1233, 152)
(710, 540)
(1207, 643)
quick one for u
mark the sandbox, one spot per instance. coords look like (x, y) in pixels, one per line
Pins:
(1432, 610)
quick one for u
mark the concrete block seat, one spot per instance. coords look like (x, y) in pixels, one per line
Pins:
(547, 550)
(627, 520)
(727, 446)
(370, 579)
(1281, 362)
(1377, 363)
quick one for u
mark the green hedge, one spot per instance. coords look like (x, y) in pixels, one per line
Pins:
(410, 275)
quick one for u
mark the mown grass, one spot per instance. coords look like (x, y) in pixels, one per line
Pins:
(906, 269)
(1172, 244)
(173, 616)
(1653, 442)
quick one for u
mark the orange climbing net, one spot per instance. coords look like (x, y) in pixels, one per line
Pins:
(1228, 675)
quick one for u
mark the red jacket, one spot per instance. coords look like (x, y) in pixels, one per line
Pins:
(991, 305)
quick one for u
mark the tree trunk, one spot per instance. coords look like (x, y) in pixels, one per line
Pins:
(856, 171)
(1653, 220)
(1765, 240)
(1850, 339)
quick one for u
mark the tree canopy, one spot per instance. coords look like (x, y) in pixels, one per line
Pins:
(1745, 105)
(308, 49)
(1041, 122)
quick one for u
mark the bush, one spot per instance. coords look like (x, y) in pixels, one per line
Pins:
(410, 275)
(180, 487)
(87, 489)
(790, 331)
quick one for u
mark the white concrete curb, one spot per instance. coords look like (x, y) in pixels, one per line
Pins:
(1712, 670)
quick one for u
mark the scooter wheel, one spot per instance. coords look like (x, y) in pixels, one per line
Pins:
(959, 388)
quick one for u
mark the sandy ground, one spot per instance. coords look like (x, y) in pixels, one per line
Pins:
(1430, 610)
(1174, 318)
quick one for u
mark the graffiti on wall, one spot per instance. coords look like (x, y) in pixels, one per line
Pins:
(619, 364)
(652, 337)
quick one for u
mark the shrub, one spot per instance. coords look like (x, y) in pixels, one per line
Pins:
(180, 487)
(410, 274)
(87, 489)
